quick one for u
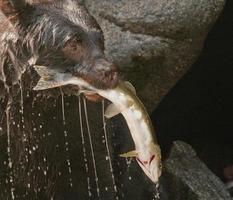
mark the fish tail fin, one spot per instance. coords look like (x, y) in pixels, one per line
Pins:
(48, 78)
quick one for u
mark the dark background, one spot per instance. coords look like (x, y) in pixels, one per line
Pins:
(199, 109)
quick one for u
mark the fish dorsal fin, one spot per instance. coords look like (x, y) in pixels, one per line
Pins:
(130, 87)
(48, 78)
(129, 154)
(111, 111)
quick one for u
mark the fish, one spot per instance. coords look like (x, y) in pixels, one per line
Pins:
(123, 100)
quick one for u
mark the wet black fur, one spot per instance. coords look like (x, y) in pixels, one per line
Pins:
(44, 34)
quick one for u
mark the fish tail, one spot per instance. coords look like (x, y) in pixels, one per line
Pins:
(48, 78)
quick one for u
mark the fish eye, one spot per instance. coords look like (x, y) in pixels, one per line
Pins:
(74, 43)
(160, 165)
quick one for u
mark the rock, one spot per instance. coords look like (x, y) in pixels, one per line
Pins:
(154, 42)
(187, 177)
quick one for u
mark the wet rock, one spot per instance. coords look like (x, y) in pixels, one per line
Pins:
(187, 177)
(154, 42)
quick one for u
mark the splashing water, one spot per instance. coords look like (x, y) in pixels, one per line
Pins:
(25, 140)
(83, 145)
(128, 162)
(107, 148)
(66, 139)
(156, 192)
(91, 146)
(11, 175)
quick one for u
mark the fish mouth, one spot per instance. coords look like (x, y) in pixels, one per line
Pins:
(151, 169)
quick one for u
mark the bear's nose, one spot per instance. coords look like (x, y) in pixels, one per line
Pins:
(108, 73)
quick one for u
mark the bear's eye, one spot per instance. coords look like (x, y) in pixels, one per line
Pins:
(73, 49)
(74, 44)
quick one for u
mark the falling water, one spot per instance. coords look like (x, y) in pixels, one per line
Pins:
(156, 192)
(91, 146)
(107, 147)
(128, 162)
(21, 96)
(66, 139)
(84, 148)
(23, 126)
(22, 111)
(11, 178)
(63, 107)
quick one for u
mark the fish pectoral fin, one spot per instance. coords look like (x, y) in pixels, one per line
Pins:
(47, 79)
(130, 87)
(129, 154)
(111, 111)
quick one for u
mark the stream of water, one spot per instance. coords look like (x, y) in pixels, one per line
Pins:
(66, 139)
(107, 148)
(10, 163)
(84, 148)
(91, 146)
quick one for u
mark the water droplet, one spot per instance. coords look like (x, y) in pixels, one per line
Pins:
(10, 164)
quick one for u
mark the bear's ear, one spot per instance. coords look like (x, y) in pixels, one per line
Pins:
(10, 9)
(18, 5)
